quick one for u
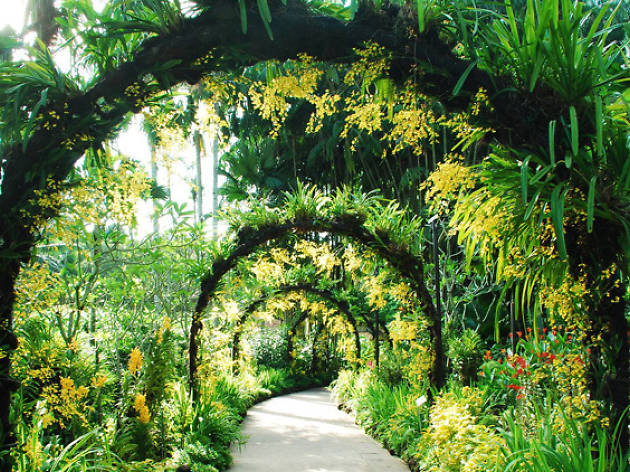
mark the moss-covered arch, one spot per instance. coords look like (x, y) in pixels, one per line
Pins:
(359, 228)
(342, 306)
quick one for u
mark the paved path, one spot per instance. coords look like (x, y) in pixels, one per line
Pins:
(305, 432)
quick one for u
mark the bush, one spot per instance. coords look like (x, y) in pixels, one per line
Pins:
(456, 440)
(270, 348)
(465, 355)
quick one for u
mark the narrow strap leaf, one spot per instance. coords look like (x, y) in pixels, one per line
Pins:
(557, 218)
(524, 179)
(241, 4)
(463, 77)
(599, 118)
(552, 142)
(574, 130)
(590, 204)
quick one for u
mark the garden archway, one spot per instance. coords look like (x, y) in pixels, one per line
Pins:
(312, 219)
(327, 295)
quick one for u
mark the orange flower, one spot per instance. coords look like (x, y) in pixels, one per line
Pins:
(135, 361)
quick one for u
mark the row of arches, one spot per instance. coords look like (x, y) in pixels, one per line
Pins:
(358, 228)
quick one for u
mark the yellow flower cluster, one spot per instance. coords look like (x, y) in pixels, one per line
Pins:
(51, 121)
(366, 116)
(33, 449)
(417, 364)
(373, 63)
(568, 302)
(267, 271)
(134, 91)
(325, 105)
(204, 60)
(37, 290)
(123, 190)
(375, 292)
(445, 182)
(321, 255)
(411, 127)
(401, 330)
(166, 326)
(135, 361)
(460, 124)
(99, 381)
(352, 261)
(339, 325)
(272, 103)
(480, 102)
(67, 401)
(139, 404)
(570, 377)
(69, 392)
(402, 292)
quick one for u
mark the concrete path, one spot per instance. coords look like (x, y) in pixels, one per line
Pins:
(305, 432)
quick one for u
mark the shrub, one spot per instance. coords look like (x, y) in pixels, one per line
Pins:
(270, 348)
(456, 440)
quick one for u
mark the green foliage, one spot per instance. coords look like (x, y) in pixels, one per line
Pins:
(270, 348)
(464, 351)
(570, 449)
(390, 368)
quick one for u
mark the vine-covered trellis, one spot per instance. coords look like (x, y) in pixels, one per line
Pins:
(372, 222)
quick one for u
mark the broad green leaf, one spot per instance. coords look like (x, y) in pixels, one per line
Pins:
(420, 6)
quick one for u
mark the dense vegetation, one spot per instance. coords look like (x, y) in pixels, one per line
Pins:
(427, 200)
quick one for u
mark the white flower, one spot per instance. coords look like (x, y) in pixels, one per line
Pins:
(421, 401)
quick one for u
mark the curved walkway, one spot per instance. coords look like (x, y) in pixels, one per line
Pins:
(305, 432)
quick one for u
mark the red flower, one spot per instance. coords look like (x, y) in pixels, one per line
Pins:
(545, 330)
(529, 330)
(518, 360)
(515, 387)
(520, 396)
(511, 335)
(519, 333)
(553, 331)
(488, 356)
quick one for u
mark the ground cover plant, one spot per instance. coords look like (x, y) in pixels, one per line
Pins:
(426, 200)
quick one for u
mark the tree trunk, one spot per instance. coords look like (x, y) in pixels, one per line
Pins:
(9, 271)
